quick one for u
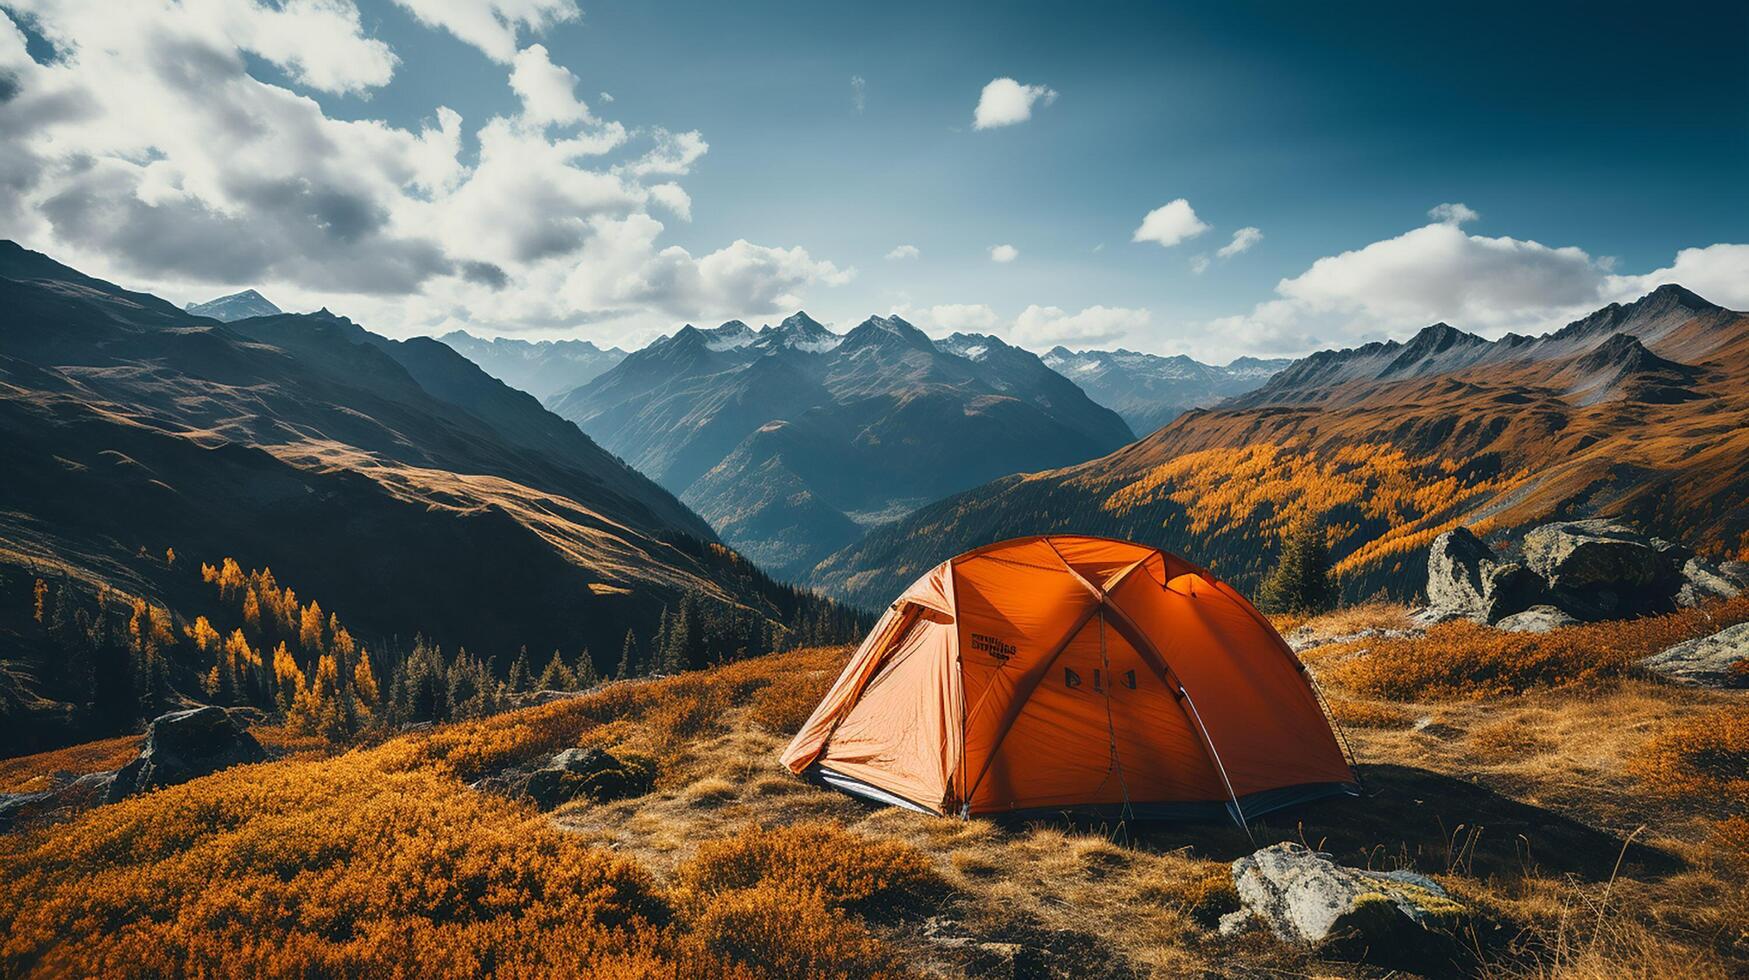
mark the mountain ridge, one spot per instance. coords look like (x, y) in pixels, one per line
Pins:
(1589, 419)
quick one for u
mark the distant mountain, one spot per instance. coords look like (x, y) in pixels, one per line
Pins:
(792, 440)
(237, 306)
(1150, 390)
(543, 368)
(1640, 410)
(394, 480)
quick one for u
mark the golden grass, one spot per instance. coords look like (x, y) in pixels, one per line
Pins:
(382, 860)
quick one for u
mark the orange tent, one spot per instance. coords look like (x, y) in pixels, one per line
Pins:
(1073, 672)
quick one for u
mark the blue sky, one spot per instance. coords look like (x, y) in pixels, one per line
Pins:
(1589, 146)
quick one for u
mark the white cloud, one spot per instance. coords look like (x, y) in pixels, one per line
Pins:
(492, 25)
(903, 252)
(1041, 327)
(605, 98)
(1199, 264)
(1005, 102)
(147, 150)
(1719, 273)
(1242, 241)
(1438, 272)
(1169, 224)
(946, 318)
(548, 91)
(858, 93)
(1452, 214)
(1004, 253)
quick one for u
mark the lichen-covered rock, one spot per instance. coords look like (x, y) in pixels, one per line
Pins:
(590, 773)
(185, 745)
(1719, 660)
(1536, 619)
(1600, 569)
(1304, 896)
(1702, 580)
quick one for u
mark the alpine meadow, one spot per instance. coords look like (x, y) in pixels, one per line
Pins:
(542, 488)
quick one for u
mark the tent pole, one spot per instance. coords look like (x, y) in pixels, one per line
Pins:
(1353, 761)
(1237, 809)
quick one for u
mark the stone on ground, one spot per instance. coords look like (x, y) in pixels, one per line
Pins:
(1536, 619)
(185, 745)
(1719, 660)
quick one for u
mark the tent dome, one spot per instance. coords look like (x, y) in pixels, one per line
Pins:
(1068, 672)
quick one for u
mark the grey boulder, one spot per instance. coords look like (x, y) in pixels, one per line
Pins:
(1466, 580)
(590, 773)
(1719, 660)
(185, 745)
(1536, 619)
(1599, 568)
(1304, 896)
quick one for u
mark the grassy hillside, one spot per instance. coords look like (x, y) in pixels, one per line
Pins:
(1596, 823)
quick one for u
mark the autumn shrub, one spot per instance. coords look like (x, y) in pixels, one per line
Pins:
(846, 870)
(1705, 757)
(345, 866)
(788, 934)
(30, 773)
(1468, 660)
(784, 705)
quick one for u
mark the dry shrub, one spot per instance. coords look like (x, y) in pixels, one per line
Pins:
(1704, 758)
(1369, 714)
(1512, 737)
(784, 705)
(710, 791)
(32, 773)
(1467, 660)
(846, 870)
(787, 934)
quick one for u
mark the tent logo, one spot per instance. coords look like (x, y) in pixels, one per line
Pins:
(993, 646)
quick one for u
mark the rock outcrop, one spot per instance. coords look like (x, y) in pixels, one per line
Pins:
(1572, 571)
(1304, 896)
(1465, 579)
(1602, 569)
(1719, 660)
(185, 745)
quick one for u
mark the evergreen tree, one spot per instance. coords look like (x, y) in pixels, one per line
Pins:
(556, 676)
(587, 676)
(628, 657)
(520, 678)
(1300, 582)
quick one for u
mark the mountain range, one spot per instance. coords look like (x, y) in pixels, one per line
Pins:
(394, 480)
(236, 306)
(543, 368)
(792, 440)
(1639, 410)
(1149, 390)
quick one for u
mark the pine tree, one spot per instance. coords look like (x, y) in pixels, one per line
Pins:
(519, 672)
(252, 611)
(587, 676)
(628, 657)
(1300, 582)
(364, 681)
(556, 676)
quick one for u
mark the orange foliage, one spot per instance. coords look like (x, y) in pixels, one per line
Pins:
(1273, 487)
(1467, 660)
(30, 773)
